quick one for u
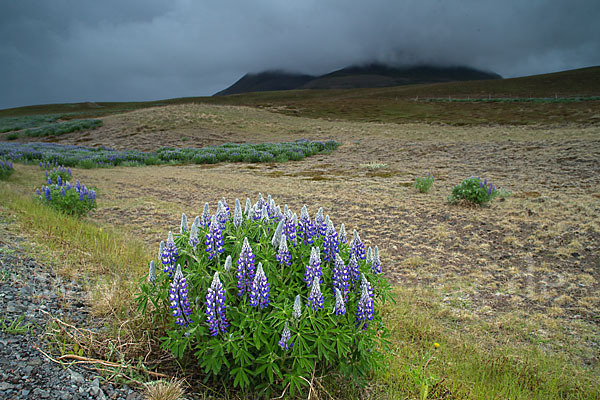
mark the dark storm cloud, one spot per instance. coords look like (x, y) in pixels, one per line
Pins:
(77, 50)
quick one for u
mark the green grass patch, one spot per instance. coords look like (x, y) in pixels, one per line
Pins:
(58, 128)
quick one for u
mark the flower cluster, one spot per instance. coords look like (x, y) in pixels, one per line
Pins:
(214, 239)
(313, 269)
(330, 243)
(169, 255)
(365, 310)
(61, 195)
(259, 290)
(357, 247)
(283, 255)
(245, 268)
(215, 307)
(6, 169)
(306, 229)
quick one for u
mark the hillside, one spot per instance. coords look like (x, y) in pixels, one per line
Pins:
(355, 77)
(561, 97)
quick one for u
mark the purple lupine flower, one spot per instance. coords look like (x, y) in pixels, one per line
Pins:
(69, 171)
(340, 305)
(214, 239)
(62, 191)
(341, 277)
(297, 310)
(169, 255)
(315, 299)
(49, 181)
(178, 297)
(353, 269)
(283, 255)
(59, 180)
(364, 310)
(152, 272)
(78, 185)
(306, 229)
(215, 307)
(330, 243)
(259, 289)
(194, 240)
(342, 234)
(37, 192)
(480, 184)
(183, 227)
(48, 194)
(222, 215)
(313, 269)
(491, 189)
(376, 266)
(284, 342)
(92, 195)
(320, 222)
(68, 185)
(289, 227)
(82, 195)
(357, 247)
(237, 214)
(205, 218)
(245, 268)
(257, 212)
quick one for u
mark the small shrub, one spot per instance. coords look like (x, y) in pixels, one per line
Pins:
(73, 200)
(473, 190)
(6, 169)
(265, 299)
(424, 184)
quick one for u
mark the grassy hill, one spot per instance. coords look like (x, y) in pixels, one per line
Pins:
(562, 97)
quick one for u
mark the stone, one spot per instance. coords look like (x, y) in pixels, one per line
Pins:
(76, 377)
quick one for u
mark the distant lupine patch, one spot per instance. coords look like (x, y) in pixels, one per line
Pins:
(474, 190)
(50, 154)
(278, 301)
(423, 184)
(6, 169)
(59, 194)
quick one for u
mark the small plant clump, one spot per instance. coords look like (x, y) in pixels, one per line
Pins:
(6, 169)
(59, 171)
(264, 298)
(59, 194)
(423, 184)
(473, 190)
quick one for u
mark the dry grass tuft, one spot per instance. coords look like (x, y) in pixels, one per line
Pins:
(164, 390)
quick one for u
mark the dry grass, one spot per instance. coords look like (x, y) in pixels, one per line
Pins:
(164, 390)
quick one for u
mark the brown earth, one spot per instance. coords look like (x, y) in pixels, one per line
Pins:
(527, 264)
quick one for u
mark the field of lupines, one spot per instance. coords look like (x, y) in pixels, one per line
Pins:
(6, 169)
(57, 128)
(263, 297)
(87, 157)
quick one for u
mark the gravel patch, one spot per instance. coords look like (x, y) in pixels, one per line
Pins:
(30, 290)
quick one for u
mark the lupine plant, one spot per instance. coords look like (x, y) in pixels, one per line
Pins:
(61, 195)
(6, 169)
(473, 190)
(288, 309)
(423, 184)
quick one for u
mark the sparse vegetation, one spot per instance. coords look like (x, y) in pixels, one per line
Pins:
(423, 184)
(58, 128)
(473, 190)
(8, 124)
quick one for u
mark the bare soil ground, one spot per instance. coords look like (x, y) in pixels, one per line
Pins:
(525, 269)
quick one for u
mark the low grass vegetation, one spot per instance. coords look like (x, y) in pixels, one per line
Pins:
(57, 129)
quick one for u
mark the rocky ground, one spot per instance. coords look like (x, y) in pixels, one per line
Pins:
(32, 291)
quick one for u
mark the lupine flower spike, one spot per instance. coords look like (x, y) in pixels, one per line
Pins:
(364, 310)
(214, 239)
(341, 277)
(222, 215)
(283, 256)
(313, 269)
(215, 307)
(224, 202)
(205, 218)
(245, 268)
(376, 266)
(169, 255)
(194, 239)
(277, 235)
(248, 206)
(184, 224)
(227, 266)
(306, 229)
(178, 297)
(315, 299)
(297, 311)
(259, 290)
(289, 227)
(369, 258)
(340, 306)
(357, 247)
(320, 222)
(284, 342)
(353, 269)
(330, 243)
(237, 214)
(160, 249)
(152, 272)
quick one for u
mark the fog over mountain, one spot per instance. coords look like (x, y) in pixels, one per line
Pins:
(72, 50)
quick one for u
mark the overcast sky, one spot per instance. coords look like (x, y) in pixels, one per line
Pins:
(55, 51)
